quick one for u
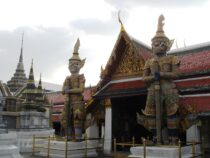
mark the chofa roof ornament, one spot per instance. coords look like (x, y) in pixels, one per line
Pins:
(121, 24)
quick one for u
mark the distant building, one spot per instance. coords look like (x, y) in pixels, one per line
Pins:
(57, 101)
(28, 107)
(4, 92)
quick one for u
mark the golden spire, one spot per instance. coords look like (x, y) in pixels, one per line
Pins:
(122, 27)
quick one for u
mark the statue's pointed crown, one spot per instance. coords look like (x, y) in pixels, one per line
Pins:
(75, 52)
(160, 31)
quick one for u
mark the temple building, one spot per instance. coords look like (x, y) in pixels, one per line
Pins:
(4, 92)
(28, 107)
(121, 92)
(112, 106)
(27, 112)
(19, 79)
(34, 106)
(8, 140)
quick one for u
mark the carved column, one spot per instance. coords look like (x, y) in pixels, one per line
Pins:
(108, 127)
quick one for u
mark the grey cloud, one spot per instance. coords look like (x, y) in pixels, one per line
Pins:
(95, 26)
(154, 3)
(49, 47)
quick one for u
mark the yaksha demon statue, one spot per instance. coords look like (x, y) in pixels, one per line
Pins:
(161, 111)
(73, 87)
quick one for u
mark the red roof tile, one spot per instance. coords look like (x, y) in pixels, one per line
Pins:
(55, 98)
(126, 85)
(201, 103)
(197, 82)
(56, 118)
(58, 98)
(57, 108)
(122, 89)
(199, 61)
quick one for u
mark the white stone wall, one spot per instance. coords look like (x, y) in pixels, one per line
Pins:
(33, 119)
(8, 146)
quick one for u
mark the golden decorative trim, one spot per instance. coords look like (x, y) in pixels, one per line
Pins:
(131, 63)
(107, 103)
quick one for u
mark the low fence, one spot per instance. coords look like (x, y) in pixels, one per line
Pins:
(65, 150)
(193, 145)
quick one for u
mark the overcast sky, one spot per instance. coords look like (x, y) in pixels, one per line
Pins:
(51, 28)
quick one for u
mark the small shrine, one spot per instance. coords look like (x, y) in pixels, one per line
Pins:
(32, 109)
(26, 110)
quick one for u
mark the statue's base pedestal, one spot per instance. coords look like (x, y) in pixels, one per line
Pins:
(161, 152)
(8, 148)
(25, 138)
(75, 149)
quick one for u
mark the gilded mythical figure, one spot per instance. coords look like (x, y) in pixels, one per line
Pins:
(73, 87)
(161, 110)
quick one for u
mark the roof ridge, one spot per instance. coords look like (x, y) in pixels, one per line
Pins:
(189, 48)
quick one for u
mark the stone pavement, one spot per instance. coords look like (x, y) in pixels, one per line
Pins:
(117, 155)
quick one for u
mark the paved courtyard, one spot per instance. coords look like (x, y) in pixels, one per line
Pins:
(118, 155)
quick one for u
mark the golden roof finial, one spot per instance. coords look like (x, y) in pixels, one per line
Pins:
(122, 27)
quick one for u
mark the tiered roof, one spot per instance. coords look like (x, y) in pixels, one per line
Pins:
(33, 96)
(19, 79)
(4, 90)
(29, 92)
(194, 72)
(126, 46)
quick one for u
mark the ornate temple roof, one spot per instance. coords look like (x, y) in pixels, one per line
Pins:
(4, 90)
(190, 49)
(120, 88)
(193, 85)
(127, 59)
(19, 78)
(196, 85)
(34, 97)
(30, 89)
(195, 63)
(39, 91)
